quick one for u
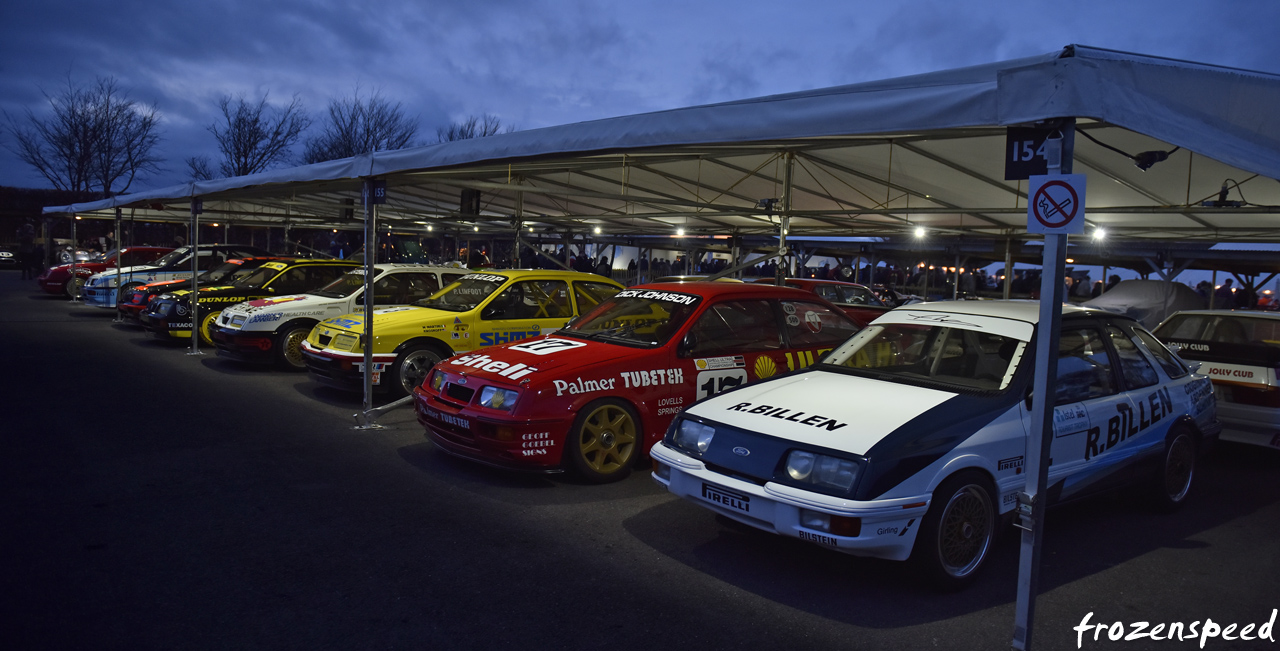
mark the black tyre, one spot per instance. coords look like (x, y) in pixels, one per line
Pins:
(289, 347)
(1177, 470)
(956, 536)
(411, 367)
(124, 290)
(604, 441)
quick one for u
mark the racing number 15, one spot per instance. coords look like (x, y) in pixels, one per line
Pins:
(712, 382)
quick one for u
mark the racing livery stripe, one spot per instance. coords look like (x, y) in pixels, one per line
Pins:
(930, 436)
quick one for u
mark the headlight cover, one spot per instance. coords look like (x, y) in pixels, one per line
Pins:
(821, 470)
(500, 399)
(437, 380)
(693, 436)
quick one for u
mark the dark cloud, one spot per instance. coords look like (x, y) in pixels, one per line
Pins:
(536, 64)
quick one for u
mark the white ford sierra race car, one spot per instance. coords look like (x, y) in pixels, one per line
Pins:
(908, 440)
(272, 329)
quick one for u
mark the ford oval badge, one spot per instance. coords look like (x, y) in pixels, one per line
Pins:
(741, 451)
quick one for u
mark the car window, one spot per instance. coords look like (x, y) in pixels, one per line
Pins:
(321, 275)
(1183, 326)
(1173, 367)
(401, 289)
(733, 327)
(292, 281)
(210, 259)
(912, 353)
(1135, 368)
(859, 296)
(589, 294)
(531, 299)
(450, 279)
(812, 325)
(1084, 368)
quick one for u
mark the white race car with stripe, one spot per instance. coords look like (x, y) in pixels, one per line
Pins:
(1240, 352)
(908, 441)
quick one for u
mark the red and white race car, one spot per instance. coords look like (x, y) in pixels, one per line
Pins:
(596, 395)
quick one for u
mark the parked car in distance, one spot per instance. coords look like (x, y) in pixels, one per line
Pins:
(57, 279)
(480, 310)
(169, 315)
(106, 288)
(9, 258)
(858, 301)
(137, 298)
(1240, 352)
(908, 441)
(271, 330)
(597, 394)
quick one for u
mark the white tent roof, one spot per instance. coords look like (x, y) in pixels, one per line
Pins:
(875, 158)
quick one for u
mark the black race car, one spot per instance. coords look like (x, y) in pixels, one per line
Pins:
(169, 315)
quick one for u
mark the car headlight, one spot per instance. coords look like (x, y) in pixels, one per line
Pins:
(437, 381)
(694, 436)
(821, 470)
(495, 398)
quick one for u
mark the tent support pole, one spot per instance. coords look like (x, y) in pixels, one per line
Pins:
(197, 207)
(1029, 513)
(368, 416)
(119, 256)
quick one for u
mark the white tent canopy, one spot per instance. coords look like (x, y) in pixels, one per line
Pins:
(874, 159)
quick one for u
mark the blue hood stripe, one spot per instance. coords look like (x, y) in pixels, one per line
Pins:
(929, 437)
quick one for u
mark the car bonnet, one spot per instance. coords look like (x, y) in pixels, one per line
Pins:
(544, 359)
(278, 304)
(824, 409)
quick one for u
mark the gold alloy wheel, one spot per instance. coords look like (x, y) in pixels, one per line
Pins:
(207, 322)
(291, 347)
(607, 439)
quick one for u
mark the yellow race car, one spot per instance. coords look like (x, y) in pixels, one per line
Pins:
(479, 310)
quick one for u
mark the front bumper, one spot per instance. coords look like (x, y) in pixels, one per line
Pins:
(512, 445)
(344, 370)
(888, 527)
(104, 297)
(257, 347)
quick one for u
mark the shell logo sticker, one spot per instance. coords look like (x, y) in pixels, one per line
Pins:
(702, 364)
(765, 367)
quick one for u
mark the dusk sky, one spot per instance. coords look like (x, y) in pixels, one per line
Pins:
(536, 64)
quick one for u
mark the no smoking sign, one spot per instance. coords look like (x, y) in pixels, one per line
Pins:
(1056, 204)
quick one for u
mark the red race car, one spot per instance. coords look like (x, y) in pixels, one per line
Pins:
(858, 301)
(596, 395)
(56, 280)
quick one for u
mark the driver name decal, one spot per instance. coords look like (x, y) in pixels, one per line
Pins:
(653, 294)
(783, 413)
(1126, 424)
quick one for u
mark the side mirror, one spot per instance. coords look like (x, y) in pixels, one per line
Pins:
(1194, 366)
(687, 345)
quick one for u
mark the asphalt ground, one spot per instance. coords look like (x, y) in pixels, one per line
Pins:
(158, 500)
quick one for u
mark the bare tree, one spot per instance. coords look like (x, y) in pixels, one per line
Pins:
(96, 139)
(201, 168)
(358, 125)
(473, 127)
(252, 137)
